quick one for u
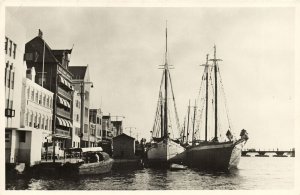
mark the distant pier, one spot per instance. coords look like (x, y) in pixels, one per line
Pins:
(267, 153)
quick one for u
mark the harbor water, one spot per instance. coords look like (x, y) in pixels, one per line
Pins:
(254, 173)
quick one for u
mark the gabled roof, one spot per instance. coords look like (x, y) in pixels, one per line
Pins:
(37, 44)
(78, 71)
(123, 135)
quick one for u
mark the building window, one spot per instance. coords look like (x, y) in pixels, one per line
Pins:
(32, 95)
(86, 112)
(10, 47)
(86, 128)
(37, 97)
(22, 137)
(44, 100)
(7, 139)
(77, 117)
(35, 120)
(43, 123)
(86, 96)
(40, 100)
(50, 123)
(40, 120)
(30, 120)
(12, 79)
(28, 93)
(14, 52)
(46, 126)
(6, 45)
(6, 73)
(50, 102)
(26, 119)
(47, 103)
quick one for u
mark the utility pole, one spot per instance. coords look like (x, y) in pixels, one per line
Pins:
(130, 129)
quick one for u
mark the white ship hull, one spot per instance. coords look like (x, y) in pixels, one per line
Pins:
(165, 152)
(236, 154)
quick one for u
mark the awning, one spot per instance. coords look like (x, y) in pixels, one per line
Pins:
(60, 100)
(63, 122)
(65, 82)
(64, 102)
(59, 121)
(67, 104)
(69, 123)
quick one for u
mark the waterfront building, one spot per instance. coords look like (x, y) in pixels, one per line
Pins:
(123, 146)
(107, 127)
(15, 37)
(52, 73)
(96, 124)
(76, 119)
(81, 82)
(118, 127)
(36, 117)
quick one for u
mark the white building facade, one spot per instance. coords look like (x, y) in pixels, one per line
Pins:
(36, 110)
(76, 119)
(14, 71)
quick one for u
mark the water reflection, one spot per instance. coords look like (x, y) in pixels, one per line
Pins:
(256, 174)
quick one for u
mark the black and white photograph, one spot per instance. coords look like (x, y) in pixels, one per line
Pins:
(143, 96)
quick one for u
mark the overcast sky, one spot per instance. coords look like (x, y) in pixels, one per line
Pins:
(124, 46)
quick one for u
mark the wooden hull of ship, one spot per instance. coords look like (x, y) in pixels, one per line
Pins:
(214, 156)
(165, 152)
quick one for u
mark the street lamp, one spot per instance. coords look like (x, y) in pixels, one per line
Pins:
(82, 93)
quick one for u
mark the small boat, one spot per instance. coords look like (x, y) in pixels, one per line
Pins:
(175, 167)
(91, 161)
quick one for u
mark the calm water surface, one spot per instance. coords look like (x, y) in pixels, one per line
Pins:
(253, 173)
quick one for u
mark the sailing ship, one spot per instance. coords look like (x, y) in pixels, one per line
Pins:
(165, 149)
(218, 153)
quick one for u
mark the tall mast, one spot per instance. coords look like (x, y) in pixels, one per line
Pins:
(188, 124)
(161, 116)
(183, 130)
(193, 135)
(166, 88)
(206, 97)
(216, 92)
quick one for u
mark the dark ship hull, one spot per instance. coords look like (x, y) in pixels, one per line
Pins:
(214, 155)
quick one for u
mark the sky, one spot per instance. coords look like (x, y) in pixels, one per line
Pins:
(125, 46)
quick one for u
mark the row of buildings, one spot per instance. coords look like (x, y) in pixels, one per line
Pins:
(47, 100)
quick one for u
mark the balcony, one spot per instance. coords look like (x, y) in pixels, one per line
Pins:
(63, 113)
(64, 93)
(9, 112)
(62, 133)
